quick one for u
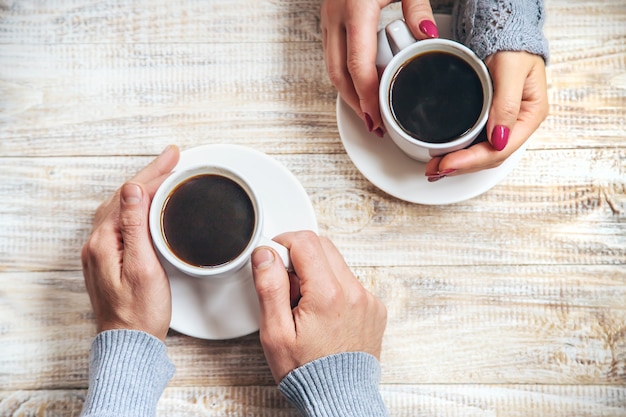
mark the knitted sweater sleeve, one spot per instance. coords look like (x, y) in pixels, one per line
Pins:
(489, 26)
(128, 371)
(342, 385)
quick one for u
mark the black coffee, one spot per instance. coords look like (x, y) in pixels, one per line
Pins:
(208, 220)
(436, 97)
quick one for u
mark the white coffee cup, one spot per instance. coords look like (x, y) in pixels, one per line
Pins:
(397, 47)
(245, 195)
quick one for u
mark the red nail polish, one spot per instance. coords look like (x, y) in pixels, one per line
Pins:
(435, 178)
(429, 28)
(379, 132)
(369, 122)
(446, 171)
(500, 137)
(441, 173)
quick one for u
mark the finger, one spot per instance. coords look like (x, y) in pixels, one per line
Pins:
(533, 110)
(335, 57)
(337, 263)
(354, 293)
(163, 164)
(361, 34)
(317, 279)
(432, 167)
(475, 158)
(108, 209)
(483, 156)
(101, 258)
(419, 17)
(273, 290)
(478, 157)
(153, 185)
(101, 255)
(152, 175)
(438, 168)
(138, 254)
(535, 107)
(508, 78)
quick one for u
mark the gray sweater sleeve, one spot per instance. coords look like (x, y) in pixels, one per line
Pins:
(342, 385)
(489, 26)
(128, 371)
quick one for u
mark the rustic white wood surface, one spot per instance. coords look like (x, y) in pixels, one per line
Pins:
(509, 304)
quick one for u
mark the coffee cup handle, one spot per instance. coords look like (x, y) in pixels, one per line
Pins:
(383, 52)
(392, 39)
(282, 251)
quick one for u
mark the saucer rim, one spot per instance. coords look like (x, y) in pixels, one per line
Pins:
(242, 281)
(424, 192)
(366, 158)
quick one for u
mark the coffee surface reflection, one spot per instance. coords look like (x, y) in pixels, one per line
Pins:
(208, 220)
(436, 97)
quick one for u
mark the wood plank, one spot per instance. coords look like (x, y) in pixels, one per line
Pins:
(160, 21)
(81, 98)
(150, 21)
(64, 99)
(410, 400)
(586, 89)
(509, 304)
(559, 207)
(467, 324)
(72, 99)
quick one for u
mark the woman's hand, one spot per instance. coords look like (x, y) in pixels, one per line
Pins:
(349, 29)
(520, 104)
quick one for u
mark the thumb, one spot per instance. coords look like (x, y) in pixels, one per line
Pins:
(134, 225)
(508, 87)
(271, 281)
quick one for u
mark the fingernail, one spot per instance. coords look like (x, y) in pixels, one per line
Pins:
(429, 28)
(131, 194)
(439, 173)
(369, 122)
(262, 258)
(435, 178)
(167, 148)
(446, 171)
(500, 137)
(379, 132)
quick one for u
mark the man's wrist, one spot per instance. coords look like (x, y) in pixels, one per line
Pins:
(128, 371)
(344, 384)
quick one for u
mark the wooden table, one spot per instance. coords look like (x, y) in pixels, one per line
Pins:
(510, 304)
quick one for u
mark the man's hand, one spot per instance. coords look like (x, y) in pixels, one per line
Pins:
(333, 314)
(127, 286)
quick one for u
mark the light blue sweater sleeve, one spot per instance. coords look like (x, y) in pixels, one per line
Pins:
(489, 26)
(341, 385)
(128, 371)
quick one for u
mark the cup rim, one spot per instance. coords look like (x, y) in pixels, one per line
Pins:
(428, 45)
(161, 197)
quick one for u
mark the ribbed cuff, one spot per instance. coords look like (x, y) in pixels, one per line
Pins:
(344, 385)
(128, 371)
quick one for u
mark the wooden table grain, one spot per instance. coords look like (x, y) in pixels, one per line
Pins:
(512, 303)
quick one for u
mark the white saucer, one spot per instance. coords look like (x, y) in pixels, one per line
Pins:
(388, 168)
(227, 309)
